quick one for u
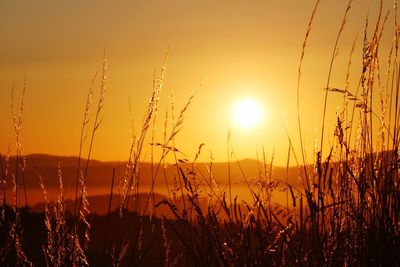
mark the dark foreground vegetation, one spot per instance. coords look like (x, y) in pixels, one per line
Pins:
(110, 243)
(345, 213)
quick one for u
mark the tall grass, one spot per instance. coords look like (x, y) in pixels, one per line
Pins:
(344, 213)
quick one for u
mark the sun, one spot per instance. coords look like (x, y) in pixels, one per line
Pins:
(247, 113)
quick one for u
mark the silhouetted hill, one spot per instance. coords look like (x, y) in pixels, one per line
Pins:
(99, 204)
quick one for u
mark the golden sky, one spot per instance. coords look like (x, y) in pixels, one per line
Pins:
(236, 49)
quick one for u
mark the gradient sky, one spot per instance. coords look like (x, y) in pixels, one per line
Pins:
(237, 49)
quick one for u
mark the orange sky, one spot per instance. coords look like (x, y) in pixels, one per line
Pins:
(243, 49)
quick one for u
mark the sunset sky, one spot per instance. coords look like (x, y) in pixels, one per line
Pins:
(236, 49)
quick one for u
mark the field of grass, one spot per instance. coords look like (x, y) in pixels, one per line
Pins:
(341, 210)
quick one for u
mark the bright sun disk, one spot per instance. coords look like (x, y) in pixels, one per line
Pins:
(247, 113)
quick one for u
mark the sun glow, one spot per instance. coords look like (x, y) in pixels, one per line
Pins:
(247, 113)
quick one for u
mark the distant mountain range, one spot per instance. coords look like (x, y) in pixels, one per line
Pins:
(100, 177)
(100, 173)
